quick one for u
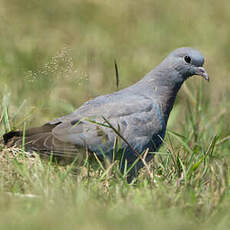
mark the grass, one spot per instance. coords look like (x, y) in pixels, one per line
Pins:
(56, 55)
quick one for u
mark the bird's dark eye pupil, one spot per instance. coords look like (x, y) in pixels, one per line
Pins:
(187, 59)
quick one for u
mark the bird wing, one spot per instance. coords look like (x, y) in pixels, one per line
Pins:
(135, 117)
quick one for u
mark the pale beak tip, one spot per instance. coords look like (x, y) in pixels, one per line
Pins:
(202, 72)
(207, 78)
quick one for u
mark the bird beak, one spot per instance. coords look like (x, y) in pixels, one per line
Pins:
(203, 73)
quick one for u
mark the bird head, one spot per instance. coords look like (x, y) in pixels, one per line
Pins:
(187, 62)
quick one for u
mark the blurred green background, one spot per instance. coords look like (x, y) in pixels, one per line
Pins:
(57, 54)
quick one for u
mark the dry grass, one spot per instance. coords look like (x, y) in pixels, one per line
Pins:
(56, 55)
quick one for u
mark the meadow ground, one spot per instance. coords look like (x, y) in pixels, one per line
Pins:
(54, 55)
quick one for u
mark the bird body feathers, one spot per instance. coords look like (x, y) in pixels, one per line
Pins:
(139, 112)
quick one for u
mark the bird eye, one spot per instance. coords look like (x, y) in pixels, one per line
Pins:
(187, 59)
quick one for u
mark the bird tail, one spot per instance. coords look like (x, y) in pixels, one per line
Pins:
(42, 141)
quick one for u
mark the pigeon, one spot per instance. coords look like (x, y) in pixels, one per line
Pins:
(132, 120)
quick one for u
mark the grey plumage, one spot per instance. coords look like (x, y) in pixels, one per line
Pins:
(140, 113)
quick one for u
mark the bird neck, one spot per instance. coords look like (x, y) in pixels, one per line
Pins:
(163, 91)
(166, 99)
